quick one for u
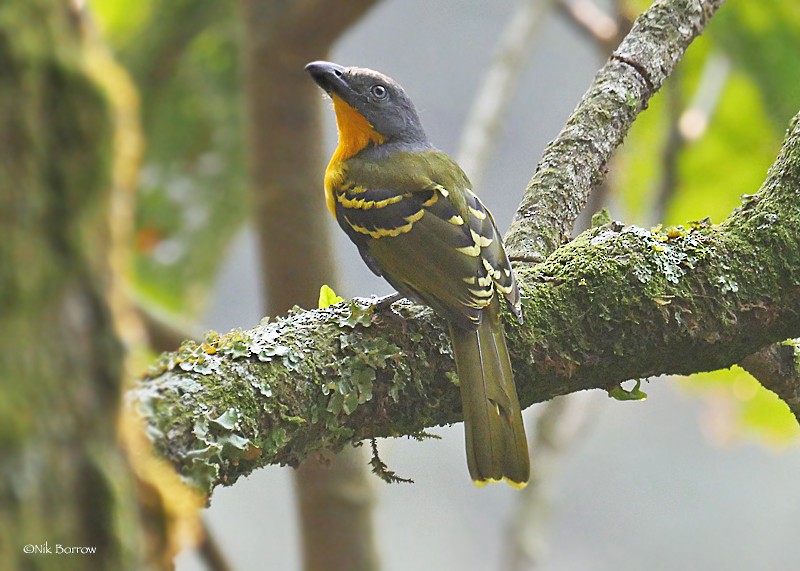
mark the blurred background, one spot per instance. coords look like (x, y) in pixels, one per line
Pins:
(228, 225)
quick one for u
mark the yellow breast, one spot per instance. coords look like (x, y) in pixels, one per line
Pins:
(355, 133)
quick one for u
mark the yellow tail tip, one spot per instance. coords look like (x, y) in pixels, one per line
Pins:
(515, 485)
(512, 483)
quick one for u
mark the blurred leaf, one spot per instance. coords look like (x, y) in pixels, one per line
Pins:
(636, 168)
(635, 7)
(764, 39)
(121, 21)
(730, 160)
(749, 411)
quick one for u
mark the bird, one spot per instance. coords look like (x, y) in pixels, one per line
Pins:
(411, 212)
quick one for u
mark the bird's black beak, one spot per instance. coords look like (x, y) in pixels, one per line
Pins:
(329, 76)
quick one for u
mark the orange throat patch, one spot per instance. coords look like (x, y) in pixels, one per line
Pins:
(355, 133)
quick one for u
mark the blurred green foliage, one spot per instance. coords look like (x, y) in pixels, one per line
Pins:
(764, 39)
(758, 41)
(740, 408)
(183, 57)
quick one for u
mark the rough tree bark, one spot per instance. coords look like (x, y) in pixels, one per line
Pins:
(335, 499)
(617, 303)
(64, 479)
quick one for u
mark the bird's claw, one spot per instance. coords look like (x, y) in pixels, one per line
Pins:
(386, 301)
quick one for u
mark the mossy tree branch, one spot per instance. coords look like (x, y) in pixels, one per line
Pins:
(777, 368)
(619, 302)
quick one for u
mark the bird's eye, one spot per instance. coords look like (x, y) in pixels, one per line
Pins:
(379, 91)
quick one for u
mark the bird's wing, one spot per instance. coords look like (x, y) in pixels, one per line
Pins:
(436, 244)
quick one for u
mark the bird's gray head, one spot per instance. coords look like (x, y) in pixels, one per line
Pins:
(376, 97)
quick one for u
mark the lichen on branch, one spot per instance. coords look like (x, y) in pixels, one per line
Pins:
(619, 302)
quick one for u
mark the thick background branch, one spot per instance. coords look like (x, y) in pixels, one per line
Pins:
(777, 367)
(335, 500)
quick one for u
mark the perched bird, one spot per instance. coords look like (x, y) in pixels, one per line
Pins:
(410, 211)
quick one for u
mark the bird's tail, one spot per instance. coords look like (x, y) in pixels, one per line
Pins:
(496, 445)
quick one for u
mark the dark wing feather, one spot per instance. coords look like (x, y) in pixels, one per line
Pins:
(436, 245)
(378, 212)
(494, 258)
